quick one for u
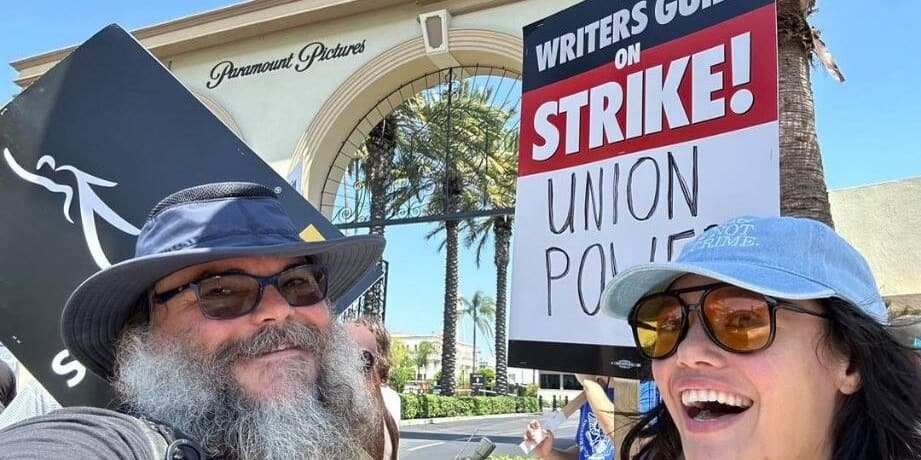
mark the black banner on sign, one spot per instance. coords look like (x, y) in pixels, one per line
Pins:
(580, 358)
(593, 33)
(87, 150)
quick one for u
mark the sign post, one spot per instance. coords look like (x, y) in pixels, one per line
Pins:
(643, 123)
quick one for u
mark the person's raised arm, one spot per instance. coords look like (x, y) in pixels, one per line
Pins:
(545, 449)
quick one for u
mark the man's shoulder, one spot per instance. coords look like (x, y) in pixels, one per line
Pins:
(83, 416)
(81, 432)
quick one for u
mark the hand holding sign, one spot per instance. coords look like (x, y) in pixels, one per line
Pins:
(538, 431)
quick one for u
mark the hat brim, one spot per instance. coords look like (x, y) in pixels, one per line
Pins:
(627, 288)
(97, 310)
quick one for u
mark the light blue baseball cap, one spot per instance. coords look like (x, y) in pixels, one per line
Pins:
(784, 257)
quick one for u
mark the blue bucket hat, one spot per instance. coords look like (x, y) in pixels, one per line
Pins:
(784, 257)
(195, 226)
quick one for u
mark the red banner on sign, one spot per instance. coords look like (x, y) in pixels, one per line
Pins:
(714, 81)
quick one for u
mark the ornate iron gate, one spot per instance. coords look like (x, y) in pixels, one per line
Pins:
(443, 147)
(457, 124)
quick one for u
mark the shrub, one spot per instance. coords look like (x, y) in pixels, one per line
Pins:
(434, 406)
(410, 406)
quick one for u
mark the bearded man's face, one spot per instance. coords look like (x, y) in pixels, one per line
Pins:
(279, 382)
(258, 373)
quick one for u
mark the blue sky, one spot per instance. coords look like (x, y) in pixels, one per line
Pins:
(868, 127)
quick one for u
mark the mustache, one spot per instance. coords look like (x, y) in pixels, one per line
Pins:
(289, 335)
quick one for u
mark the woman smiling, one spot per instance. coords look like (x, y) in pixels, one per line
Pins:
(768, 340)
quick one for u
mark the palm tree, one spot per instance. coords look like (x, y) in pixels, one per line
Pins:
(482, 310)
(444, 160)
(380, 148)
(424, 351)
(501, 193)
(802, 179)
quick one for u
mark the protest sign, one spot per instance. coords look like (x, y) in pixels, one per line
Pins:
(88, 150)
(642, 124)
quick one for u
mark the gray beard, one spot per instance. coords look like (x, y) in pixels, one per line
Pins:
(171, 381)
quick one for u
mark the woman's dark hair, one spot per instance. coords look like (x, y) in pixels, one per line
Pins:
(880, 421)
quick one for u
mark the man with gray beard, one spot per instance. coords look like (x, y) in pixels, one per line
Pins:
(220, 339)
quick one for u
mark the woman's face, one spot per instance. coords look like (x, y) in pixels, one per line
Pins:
(777, 403)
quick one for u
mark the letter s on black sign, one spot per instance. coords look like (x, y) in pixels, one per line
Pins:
(62, 368)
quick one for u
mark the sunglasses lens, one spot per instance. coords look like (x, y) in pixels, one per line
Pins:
(657, 323)
(228, 296)
(304, 285)
(739, 319)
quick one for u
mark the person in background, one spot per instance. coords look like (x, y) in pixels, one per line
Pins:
(383, 443)
(31, 398)
(7, 385)
(768, 339)
(597, 434)
(384, 362)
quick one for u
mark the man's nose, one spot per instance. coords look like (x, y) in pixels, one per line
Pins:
(272, 307)
(697, 350)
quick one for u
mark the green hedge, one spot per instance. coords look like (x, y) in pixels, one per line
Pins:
(432, 406)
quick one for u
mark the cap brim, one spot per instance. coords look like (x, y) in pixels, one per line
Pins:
(628, 287)
(97, 310)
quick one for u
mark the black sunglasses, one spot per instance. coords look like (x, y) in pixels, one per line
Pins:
(232, 295)
(735, 319)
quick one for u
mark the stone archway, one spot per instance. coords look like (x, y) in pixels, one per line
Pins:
(220, 113)
(367, 87)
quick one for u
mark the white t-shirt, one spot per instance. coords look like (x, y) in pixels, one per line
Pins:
(392, 402)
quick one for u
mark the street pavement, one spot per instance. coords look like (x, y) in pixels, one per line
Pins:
(451, 440)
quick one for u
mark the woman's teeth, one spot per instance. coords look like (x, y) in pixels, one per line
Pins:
(697, 398)
(712, 404)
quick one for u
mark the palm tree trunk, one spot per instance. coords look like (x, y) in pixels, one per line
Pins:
(503, 233)
(449, 334)
(381, 145)
(802, 178)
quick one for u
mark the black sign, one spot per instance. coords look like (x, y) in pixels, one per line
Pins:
(477, 381)
(87, 151)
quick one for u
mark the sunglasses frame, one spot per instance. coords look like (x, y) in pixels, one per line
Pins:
(195, 287)
(773, 305)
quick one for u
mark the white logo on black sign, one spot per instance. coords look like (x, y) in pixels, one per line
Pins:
(89, 203)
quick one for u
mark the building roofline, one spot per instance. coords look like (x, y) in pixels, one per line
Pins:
(877, 184)
(222, 25)
(232, 23)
